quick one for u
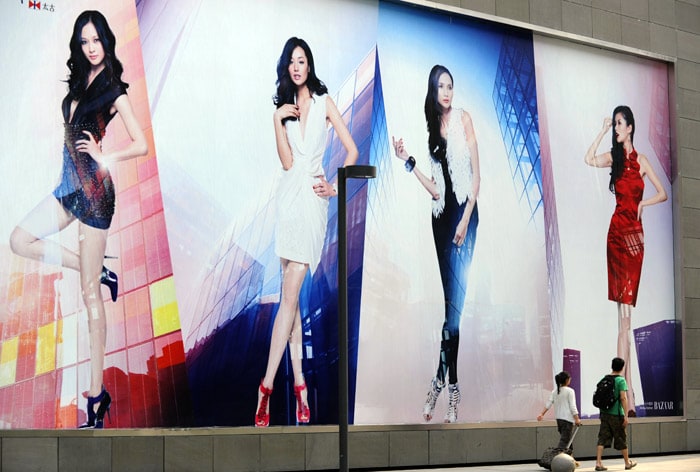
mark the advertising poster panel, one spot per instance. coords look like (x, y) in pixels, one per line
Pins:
(88, 314)
(579, 87)
(492, 337)
(222, 184)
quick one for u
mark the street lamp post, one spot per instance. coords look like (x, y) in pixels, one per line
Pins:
(344, 173)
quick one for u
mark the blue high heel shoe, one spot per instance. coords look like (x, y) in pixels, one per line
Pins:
(110, 279)
(96, 418)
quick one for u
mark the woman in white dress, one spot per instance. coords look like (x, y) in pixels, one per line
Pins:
(301, 120)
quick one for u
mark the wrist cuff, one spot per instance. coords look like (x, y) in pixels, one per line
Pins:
(410, 164)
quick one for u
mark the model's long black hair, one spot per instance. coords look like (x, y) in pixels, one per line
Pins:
(285, 87)
(561, 379)
(437, 145)
(618, 150)
(79, 65)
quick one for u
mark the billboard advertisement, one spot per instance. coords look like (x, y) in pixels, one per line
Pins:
(89, 316)
(169, 256)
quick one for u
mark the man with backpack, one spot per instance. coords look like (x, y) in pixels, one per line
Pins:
(611, 397)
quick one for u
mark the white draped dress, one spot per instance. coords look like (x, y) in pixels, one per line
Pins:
(301, 214)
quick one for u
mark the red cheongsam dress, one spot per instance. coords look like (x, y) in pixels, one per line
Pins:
(626, 235)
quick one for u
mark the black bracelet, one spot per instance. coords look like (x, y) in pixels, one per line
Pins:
(410, 164)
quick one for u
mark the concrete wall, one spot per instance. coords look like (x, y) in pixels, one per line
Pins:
(670, 28)
(311, 448)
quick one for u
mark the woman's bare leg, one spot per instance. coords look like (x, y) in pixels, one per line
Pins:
(293, 274)
(624, 342)
(93, 243)
(296, 349)
(27, 239)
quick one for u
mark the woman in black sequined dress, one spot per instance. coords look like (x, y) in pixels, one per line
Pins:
(96, 93)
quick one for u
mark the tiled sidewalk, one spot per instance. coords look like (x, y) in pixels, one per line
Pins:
(677, 463)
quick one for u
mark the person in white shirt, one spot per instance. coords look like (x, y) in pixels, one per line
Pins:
(563, 399)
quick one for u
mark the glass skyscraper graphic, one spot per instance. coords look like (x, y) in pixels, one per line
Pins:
(515, 99)
(229, 340)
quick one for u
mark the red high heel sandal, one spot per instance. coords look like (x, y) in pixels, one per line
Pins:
(303, 413)
(262, 417)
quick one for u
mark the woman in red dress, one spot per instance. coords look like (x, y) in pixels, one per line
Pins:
(625, 234)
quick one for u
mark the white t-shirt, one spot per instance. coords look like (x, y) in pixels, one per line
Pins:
(564, 404)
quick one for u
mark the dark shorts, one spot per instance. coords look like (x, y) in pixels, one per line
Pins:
(611, 432)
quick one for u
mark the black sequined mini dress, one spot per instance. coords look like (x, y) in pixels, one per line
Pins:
(86, 189)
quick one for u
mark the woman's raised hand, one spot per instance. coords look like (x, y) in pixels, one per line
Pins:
(399, 149)
(288, 110)
(607, 124)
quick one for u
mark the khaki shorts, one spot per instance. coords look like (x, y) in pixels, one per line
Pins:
(611, 432)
